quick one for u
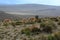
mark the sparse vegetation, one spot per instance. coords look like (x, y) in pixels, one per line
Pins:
(5, 24)
(13, 24)
(32, 29)
(57, 35)
(18, 23)
(48, 26)
(59, 23)
(30, 22)
(50, 37)
(26, 31)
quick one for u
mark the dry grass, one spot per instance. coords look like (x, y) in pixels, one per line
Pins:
(39, 29)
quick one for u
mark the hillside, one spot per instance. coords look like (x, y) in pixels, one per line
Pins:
(31, 9)
(4, 15)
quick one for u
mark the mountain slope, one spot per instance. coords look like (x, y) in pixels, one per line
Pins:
(31, 9)
(4, 15)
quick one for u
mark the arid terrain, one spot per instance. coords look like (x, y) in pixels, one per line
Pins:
(29, 22)
(31, 28)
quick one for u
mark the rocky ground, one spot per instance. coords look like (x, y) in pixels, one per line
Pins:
(14, 33)
(10, 32)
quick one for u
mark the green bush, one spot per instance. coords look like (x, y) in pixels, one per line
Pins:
(50, 37)
(54, 19)
(5, 24)
(58, 23)
(33, 31)
(18, 23)
(57, 36)
(48, 26)
(13, 24)
(26, 31)
(43, 37)
(36, 31)
(37, 17)
(39, 21)
(42, 25)
(30, 22)
(48, 29)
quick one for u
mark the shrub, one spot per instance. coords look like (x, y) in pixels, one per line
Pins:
(5, 24)
(13, 24)
(57, 36)
(48, 29)
(26, 31)
(58, 23)
(42, 25)
(54, 19)
(42, 37)
(36, 31)
(48, 26)
(37, 17)
(18, 23)
(50, 37)
(30, 22)
(39, 21)
(31, 31)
